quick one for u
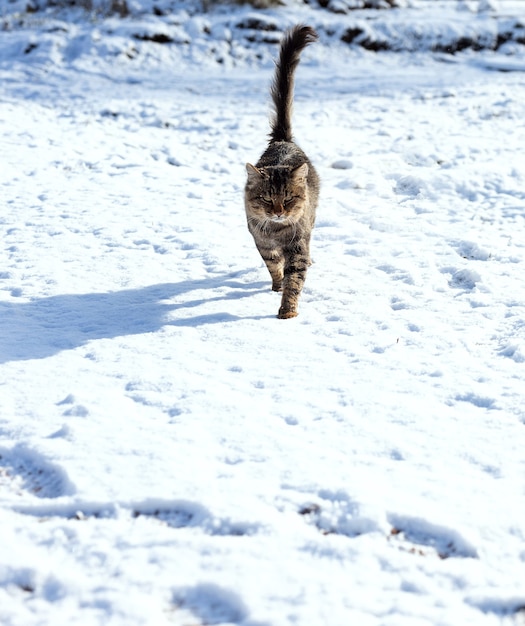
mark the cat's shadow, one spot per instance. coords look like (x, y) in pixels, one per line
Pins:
(44, 327)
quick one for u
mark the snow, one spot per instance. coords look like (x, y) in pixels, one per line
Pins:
(170, 452)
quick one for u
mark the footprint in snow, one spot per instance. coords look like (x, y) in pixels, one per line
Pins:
(397, 304)
(465, 279)
(409, 186)
(470, 250)
(481, 402)
(210, 604)
(335, 513)
(514, 351)
(184, 514)
(418, 536)
(73, 409)
(397, 274)
(25, 471)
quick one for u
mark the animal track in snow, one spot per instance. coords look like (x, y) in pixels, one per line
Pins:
(25, 471)
(397, 274)
(409, 186)
(514, 351)
(470, 250)
(397, 304)
(74, 410)
(479, 401)
(465, 279)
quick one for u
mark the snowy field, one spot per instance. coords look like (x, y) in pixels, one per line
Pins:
(173, 454)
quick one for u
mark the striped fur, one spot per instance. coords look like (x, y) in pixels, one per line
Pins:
(282, 189)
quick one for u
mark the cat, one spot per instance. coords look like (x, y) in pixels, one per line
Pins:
(282, 189)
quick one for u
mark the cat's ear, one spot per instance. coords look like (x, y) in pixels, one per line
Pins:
(300, 174)
(253, 173)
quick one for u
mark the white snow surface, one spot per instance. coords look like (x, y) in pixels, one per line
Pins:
(171, 453)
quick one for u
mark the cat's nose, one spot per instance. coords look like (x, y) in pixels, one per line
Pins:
(278, 209)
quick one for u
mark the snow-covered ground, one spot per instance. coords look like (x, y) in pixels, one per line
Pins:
(170, 452)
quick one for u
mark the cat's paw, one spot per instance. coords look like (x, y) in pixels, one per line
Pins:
(286, 315)
(277, 286)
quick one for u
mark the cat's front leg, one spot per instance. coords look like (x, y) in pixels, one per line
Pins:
(295, 266)
(274, 261)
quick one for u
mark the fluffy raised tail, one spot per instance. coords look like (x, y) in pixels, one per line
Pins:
(293, 43)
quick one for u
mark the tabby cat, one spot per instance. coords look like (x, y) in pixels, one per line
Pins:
(282, 189)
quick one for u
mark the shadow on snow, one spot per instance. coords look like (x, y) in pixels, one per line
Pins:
(44, 327)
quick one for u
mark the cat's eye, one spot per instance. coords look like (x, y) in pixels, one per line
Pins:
(265, 199)
(289, 200)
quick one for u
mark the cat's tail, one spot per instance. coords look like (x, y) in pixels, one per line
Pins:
(293, 43)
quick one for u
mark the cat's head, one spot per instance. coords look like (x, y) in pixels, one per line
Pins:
(277, 193)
